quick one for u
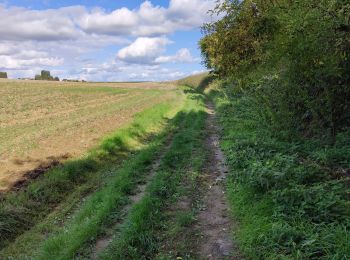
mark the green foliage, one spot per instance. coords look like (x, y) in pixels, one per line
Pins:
(3, 75)
(283, 101)
(291, 197)
(46, 75)
(292, 56)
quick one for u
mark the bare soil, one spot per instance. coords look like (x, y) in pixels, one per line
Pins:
(35, 173)
(214, 222)
(42, 122)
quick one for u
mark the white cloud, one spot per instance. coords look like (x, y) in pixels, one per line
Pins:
(143, 50)
(149, 20)
(117, 22)
(74, 21)
(182, 56)
(147, 12)
(8, 62)
(77, 42)
(6, 49)
(149, 50)
(18, 56)
(44, 25)
(119, 71)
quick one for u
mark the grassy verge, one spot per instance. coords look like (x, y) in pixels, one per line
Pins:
(101, 207)
(22, 210)
(290, 196)
(139, 237)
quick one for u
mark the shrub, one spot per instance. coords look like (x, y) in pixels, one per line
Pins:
(292, 56)
(3, 75)
(46, 75)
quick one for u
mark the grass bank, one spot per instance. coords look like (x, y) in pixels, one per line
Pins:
(291, 197)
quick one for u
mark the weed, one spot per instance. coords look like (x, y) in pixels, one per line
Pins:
(291, 195)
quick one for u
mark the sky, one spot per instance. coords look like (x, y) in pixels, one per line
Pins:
(101, 40)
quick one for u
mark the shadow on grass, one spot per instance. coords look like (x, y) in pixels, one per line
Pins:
(20, 211)
(205, 82)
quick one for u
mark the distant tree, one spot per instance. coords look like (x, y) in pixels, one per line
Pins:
(46, 75)
(3, 75)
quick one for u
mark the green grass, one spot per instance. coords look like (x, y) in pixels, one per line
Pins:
(139, 237)
(74, 180)
(291, 197)
(197, 81)
(101, 207)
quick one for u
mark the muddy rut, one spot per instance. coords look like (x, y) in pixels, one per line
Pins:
(214, 221)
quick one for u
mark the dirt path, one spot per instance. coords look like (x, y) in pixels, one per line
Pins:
(103, 242)
(214, 221)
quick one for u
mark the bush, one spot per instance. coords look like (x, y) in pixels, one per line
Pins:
(291, 197)
(46, 75)
(3, 75)
(292, 56)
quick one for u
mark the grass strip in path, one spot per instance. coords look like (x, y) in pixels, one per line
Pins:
(139, 236)
(103, 241)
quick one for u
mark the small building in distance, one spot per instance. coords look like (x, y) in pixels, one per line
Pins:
(3, 75)
(73, 80)
(25, 78)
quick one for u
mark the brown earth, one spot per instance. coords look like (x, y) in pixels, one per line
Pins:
(214, 222)
(45, 123)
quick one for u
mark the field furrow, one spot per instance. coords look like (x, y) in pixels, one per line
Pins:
(43, 121)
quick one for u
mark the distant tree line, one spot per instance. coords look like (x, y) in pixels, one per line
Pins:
(46, 75)
(3, 75)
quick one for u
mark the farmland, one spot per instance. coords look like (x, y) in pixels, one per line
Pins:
(138, 168)
(42, 122)
(249, 159)
(162, 184)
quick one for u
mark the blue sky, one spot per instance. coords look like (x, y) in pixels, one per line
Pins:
(107, 4)
(102, 40)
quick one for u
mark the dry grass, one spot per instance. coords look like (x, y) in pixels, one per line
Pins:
(41, 121)
(194, 81)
